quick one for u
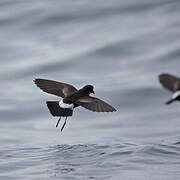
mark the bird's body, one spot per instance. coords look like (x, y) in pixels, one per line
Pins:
(72, 98)
(65, 105)
(171, 83)
(176, 95)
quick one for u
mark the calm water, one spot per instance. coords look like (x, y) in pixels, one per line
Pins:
(118, 46)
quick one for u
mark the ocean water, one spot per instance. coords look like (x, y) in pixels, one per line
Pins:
(118, 46)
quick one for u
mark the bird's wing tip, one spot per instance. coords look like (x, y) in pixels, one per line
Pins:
(35, 79)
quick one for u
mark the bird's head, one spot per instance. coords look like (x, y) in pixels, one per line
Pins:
(89, 89)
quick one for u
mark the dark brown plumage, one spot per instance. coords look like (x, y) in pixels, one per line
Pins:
(54, 87)
(71, 98)
(172, 83)
(54, 109)
(95, 104)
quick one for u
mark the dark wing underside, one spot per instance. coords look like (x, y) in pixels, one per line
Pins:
(95, 104)
(54, 87)
(170, 82)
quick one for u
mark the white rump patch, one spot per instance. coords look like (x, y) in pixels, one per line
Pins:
(64, 105)
(176, 94)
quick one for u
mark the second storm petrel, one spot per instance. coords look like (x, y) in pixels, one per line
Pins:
(171, 83)
(72, 98)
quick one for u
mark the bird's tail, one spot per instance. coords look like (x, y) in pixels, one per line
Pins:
(170, 101)
(56, 110)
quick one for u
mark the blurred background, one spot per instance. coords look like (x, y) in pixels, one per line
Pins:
(118, 46)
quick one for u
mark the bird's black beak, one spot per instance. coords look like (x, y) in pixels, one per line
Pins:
(93, 92)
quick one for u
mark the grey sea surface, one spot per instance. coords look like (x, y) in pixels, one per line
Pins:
(118, 46)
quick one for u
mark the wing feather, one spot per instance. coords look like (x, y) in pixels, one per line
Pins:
(95, 104)
(170, 82)
(54, 87)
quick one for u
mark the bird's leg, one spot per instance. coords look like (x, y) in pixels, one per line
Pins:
(58, 122)
(64, 124)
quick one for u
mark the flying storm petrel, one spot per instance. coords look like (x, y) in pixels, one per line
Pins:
(171, 83)
(71, 98)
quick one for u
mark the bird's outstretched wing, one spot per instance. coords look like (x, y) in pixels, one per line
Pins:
(95, 104)
(54, 87)
(170, 82)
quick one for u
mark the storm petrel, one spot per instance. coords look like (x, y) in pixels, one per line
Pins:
(171, 83)
(72, 98)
